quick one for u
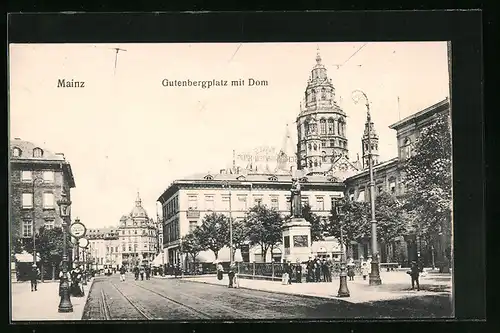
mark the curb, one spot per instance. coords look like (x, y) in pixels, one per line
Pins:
(279, 292)
(87, 294)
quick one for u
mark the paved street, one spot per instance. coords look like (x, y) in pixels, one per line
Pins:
(178, 299)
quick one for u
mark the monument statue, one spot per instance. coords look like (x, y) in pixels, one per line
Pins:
(296, 199)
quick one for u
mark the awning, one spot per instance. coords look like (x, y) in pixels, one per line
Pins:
(26, 257)
(158, 261)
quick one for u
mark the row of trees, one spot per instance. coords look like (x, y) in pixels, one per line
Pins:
(425, 208)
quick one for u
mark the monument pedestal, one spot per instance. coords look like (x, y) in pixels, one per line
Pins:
(296, 240)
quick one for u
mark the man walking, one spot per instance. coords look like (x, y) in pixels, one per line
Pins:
(414, 273)
(141, 273)
(122, 273)
(34, 277)
(148, 272)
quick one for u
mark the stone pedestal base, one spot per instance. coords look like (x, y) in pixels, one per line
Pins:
(297, 248)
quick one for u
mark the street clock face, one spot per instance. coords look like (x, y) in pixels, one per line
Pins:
(83, 242)
(77, 230)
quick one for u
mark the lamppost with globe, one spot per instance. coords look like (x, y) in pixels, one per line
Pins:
(357, 96)
(65, 303)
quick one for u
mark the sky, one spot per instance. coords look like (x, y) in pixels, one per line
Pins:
(124, 132)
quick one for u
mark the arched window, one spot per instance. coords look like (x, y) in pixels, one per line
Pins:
(332, 143)
(323, 156)
(315, 147)
(315, 163)
(208, 177)
(314, 127)
(339, 124)
(313, 95)
(323, 126)
(37, 152)
(309, 146)
(16, 152)
(407, 148)
(310, 164)
(306, 127)
(323, 93)
(330, 126)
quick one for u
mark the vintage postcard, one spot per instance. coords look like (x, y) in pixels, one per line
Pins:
(230, 181)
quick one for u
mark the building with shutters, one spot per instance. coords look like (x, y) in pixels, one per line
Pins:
(37, 179)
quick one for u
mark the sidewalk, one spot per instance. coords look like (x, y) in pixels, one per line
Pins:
(395, 285)
(42, 305)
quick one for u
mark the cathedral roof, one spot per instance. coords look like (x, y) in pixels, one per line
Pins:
(138, 211)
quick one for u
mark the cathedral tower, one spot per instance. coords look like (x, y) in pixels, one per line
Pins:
(374, 144)
(321, 123)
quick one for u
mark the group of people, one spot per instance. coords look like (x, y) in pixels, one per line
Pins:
(231, 274)
(141, 271)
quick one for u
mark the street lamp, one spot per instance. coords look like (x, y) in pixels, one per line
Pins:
(40, 181)
(228, 185)
(343, 290)
(357, 96)
(65, 304)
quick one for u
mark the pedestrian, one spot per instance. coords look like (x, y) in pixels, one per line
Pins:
(34, 277)
(141, 273)
(148, 272)
(364, 269)
(310, 269)
(76, 278)
(329, 264)
(350, 269)
(230, 275)
(290, 272)
(220, 271)
(317, 270)
(298, 272)
(326, 271)
(414, 272)
(136, 272)
(122, 273)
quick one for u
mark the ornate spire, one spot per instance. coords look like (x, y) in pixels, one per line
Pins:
(318, 56)
(138, 200)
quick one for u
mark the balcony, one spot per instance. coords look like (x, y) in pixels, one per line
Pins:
(192, 214)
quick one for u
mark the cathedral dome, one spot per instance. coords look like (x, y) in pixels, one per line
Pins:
(138, 211)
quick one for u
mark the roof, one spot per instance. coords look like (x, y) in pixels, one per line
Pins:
(376, 167)
(27, 156)
(440, 106)
(248, 179)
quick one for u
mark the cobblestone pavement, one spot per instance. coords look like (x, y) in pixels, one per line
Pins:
(177, 299)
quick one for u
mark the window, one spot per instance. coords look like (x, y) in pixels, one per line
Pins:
(27, 229)
(48, 200)
(27, 200)
(48, 176)
(274, 203)
(323, 156)
(49, 224)
(193, 202)
(16, 152)
(323, 126)
(330, 126)
(406, 149)
(124, 248)
(37, 152)
(242, 202)
(192, 225)
(305, 201)
(332, 143)
(209, 202)
(26, 175)
(257, 200)
(320, 203)
(225, 202)
(323, 143)
(315, 147)
(288, 203)
(392, 186)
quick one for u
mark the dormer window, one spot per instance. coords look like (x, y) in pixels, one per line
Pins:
(37, 152)
(273, 178)
(16, 152)
(240, 178)
(208, 177)
(303, 180)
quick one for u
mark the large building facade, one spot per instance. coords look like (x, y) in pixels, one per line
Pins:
(37, 179)
(138, 239)
(186, 202)
(103, 249)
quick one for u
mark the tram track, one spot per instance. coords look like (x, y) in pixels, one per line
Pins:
(213, 305)
(143, 312)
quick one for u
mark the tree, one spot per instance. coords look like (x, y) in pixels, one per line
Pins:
(191, 244)
(214, 232)
(353, 219)
(240, 233)
(263, 227)
(316, 225)
(391, 218)
(50, 245)
(427, 178)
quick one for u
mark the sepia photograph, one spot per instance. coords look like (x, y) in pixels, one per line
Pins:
(226, 181)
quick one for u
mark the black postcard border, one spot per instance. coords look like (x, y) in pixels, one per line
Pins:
(462, 28)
